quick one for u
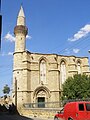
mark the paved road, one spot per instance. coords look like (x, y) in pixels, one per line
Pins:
(13, 117)
(6, 116)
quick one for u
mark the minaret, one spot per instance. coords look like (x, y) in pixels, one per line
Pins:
(20, 32)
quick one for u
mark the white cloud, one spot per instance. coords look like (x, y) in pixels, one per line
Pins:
(28, 37)
(10, 53)
(67, 51)
(76, 50)
(6, 54)
(83, 32)
(9, 37)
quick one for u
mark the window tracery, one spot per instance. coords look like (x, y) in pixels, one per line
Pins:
(62, 72)
(42, 71)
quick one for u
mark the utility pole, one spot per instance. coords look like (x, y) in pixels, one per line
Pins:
(15, 92)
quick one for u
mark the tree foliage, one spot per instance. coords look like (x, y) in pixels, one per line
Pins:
(76, 87)
(6, 89)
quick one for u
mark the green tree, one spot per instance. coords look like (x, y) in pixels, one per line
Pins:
(76, 87)
(6, 89)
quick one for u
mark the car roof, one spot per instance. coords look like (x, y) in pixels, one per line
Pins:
(75, 102)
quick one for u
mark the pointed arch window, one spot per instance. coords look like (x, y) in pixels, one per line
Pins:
(43, 71)
(62, 72)
(79, 67)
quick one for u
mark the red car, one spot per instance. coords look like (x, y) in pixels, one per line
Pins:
(74, 111)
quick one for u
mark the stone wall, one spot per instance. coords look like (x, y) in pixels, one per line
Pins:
(30, 87)
(41, 113)
(8, 100)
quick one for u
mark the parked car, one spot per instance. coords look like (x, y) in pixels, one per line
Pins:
(74, 111)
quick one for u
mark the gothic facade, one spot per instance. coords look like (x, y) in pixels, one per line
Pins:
(40, 76)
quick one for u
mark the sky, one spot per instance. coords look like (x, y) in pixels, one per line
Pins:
(54, 26)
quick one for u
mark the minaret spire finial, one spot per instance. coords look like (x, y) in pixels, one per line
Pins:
(21, 3)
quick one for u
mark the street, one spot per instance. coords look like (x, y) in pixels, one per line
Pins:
(6, 116)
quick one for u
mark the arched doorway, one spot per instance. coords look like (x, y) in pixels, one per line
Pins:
(41, 96)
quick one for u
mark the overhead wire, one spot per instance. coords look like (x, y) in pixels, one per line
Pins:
(76, 43)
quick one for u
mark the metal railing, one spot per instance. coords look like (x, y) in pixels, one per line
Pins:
(42, 105)
(51, 104)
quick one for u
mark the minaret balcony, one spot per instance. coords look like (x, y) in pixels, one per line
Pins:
(21, 29)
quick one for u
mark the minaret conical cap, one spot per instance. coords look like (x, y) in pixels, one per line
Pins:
(21, 17)
(21, 12)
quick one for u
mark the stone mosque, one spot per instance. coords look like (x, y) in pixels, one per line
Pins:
(40, 76)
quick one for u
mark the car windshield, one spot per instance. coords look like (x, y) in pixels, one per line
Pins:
(88, 106)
